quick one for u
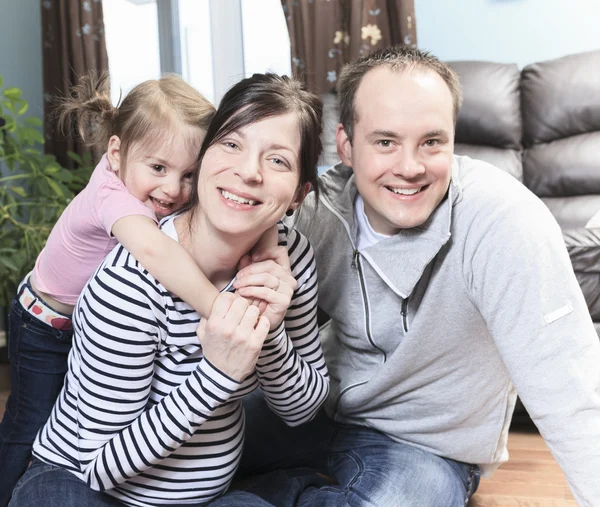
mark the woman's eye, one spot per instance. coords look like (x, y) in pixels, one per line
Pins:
(280, 162)
(188, 176)
(231, 144)
(159, 168)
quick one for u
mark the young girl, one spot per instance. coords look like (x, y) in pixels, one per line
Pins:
(153, 141)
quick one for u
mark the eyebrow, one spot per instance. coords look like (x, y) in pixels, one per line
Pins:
(383, 133)
(436, 133)
(157, 159)
(281, 147)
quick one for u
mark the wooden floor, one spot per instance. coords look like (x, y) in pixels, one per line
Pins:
(531, 477)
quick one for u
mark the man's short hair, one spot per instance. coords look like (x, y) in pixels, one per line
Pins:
(397, 58)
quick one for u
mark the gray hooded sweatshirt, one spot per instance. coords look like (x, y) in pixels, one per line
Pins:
(435, 330)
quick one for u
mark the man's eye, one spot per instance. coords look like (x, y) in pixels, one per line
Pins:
(432, 142)
(385, 143)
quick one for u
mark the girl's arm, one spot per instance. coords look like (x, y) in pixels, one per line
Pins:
(167, 261)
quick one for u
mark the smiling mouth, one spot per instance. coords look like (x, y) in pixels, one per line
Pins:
(406, 191)
(237, 199)
(163, 205)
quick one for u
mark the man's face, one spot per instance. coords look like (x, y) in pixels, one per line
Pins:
(402, 149)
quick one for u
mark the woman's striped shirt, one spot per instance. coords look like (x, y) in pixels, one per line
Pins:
(143, 416)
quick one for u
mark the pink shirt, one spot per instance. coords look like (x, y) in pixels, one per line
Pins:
(82, 236)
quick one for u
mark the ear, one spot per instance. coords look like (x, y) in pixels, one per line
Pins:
(344, 147)
(113, 153)
(301, 193)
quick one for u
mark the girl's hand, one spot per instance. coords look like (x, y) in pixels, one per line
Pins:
(270, 280)
(233, 335)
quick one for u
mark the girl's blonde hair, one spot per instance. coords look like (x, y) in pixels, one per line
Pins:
(149, 113)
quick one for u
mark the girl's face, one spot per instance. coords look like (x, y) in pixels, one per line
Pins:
(249, 179)
(160, 174)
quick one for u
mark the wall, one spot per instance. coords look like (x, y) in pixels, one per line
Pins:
(21, 55)
(507, 31)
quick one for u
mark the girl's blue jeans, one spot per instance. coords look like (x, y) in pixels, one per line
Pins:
(38, 363)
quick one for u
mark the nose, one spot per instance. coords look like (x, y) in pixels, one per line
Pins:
(409, 165)
(172, 187)
(250, 171)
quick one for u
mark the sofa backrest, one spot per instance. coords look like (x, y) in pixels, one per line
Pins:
(560, 102)
(541, 124)
(489, 123)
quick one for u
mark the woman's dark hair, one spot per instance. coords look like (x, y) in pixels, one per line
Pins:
(262, 96)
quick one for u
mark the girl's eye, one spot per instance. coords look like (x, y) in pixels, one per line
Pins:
(188, 176)
(159, 168)
(231, 144)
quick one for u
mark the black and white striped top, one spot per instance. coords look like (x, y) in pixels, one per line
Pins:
(142, 414)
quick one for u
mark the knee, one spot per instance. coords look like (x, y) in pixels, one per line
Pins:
(400, 475)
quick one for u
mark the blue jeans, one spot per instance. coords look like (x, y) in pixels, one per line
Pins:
(367, 468)
(38, 362)
(51, 486)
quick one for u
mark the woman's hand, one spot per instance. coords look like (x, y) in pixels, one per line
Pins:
(271, 281)
(233, 335)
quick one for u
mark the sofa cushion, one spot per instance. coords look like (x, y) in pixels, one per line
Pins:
(506, 159)
(561, 125)
(489, 122)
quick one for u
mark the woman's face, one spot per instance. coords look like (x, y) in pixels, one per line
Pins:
(249, 179)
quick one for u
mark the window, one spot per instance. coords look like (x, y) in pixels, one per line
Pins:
(211, 43)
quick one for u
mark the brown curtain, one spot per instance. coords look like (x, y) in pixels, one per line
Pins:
(326, 34)
(73, 44)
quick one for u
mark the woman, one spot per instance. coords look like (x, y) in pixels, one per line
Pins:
(151, 411)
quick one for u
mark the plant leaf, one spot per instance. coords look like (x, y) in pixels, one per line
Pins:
(23, 109)
(7, 261)
(33, 121)
(19, 191)
(74, 156)
(12, 93)
(56, 187)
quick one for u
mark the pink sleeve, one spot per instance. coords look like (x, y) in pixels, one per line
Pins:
(113, 201)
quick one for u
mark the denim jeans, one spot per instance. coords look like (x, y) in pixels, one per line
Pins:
(51, 486)
(367, 468)
(38, 362)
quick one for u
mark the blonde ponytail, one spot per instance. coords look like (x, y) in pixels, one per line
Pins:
(89, 111)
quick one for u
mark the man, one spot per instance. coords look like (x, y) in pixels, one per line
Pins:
(449, 290)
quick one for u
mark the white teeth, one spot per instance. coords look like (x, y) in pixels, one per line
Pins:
(236, 198)
(405, 191)
(162, 204)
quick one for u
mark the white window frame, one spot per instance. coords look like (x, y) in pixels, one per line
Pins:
(226, 38)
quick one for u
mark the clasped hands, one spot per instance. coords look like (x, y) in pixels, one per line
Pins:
(233, 335)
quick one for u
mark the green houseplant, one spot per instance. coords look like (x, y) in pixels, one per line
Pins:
(34, 190)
